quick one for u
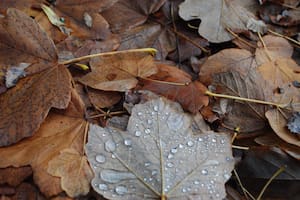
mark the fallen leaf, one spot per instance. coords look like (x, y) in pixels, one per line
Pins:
(119, 72)
(190, 96)
(271, 140)
(136, 13)
(247, 116)
(74, 171)
(23, 41)
(103, 99)
(14, 176)
(279, 72)
(159, 156)
(218, 15)
(279, 125)
(58, 132)
(276, 48)
(83, 17)
(24, 107)
(227, 60)
(24, 5)
(23, 192)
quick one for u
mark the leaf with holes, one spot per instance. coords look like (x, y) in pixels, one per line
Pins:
(160, 156)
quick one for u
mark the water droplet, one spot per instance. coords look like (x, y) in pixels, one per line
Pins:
(175, 122)
(214, 140)
(138, 133)
(170, 165)
(113, 176)
(127, 142)
(155, 108)
(139, 113)
(166, 189)
(152, 113)
(180, 146)
(103, 187)
(227, 176)
(170, 156)
(183, 190)
(100, 158)
(113, 156)
(200, 139)
(147, 130)
(147, 164)
(196, 182)
(174, 150)
(121, 190)
(110, 146)
(190, 143)
(222, 141)
(149, 121)
(204, 171)
(154, 172)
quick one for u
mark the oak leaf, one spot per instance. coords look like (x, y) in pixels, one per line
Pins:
(159, 156)
(119, 72)
(190, 96)
(218, 15)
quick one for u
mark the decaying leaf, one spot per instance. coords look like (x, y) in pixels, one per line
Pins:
(191, 96)
(24, 107)
(58, 132)
(118, 72)
(247, 116)
(14, 176)
(74, 171)
(23, 41)
(218, 15)
(227, 60)
(279, 125)
(159, 157)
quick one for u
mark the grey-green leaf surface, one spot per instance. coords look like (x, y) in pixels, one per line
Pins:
(159, 157)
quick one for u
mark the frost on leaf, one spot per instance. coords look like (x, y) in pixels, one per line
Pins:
(159, 156)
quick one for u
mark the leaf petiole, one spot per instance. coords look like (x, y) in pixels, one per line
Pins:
(212, 94)
(152, 51)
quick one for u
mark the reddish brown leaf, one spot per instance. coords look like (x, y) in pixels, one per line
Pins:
(118, 72)
(24, 107)
(103, 99)
(14, 176)
(191, 96)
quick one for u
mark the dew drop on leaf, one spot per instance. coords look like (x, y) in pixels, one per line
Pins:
(100, 158)
(103, 187)
(121, 190)
(110, 146)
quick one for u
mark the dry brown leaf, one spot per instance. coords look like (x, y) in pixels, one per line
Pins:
(24, 191)
(278, 123)
(118, 72)
(103, 99)
(191, 96)
(276, 48)
(279, 72)
(227, 60)
(58, 132)
(24, 107)
(83, 17)
(217, 15)
(24, 5)
(74, 171)
(136, 13)
(23, 41)
(14, 176)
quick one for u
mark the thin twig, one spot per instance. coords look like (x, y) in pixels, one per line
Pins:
(245, 191)
(239, 38)
(265, 46)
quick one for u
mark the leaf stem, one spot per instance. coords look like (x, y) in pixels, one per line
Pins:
(281, 169)
(152, 51)
(166, 82)
(209, 93)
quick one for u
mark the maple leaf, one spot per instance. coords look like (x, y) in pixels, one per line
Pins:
(24, 107)
(218, 15)
(190, 96)
(58, 133)
(119, 72)
(159, 156)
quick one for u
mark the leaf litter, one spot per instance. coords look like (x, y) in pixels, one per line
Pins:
(159, 156)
